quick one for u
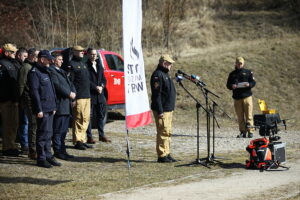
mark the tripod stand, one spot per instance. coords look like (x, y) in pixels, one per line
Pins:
(198, 105)
(212, 157)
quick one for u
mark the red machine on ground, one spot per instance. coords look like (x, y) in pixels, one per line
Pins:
(267, 154)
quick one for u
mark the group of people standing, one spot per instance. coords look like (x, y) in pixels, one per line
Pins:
(163, 98)
(35, 88)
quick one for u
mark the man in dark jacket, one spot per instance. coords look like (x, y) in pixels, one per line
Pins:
(163, 104)
(21, 55)
(43, 97)
(98, 101)
(25, 100)
(65, 93)
(240, 81)
(79, 76)
(9, 99)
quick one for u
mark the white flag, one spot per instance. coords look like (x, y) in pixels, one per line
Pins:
(136, 96)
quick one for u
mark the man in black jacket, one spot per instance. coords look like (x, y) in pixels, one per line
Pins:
(98, 100)
(65, 93)
(43, 98)
(26, 102)
(9, 99)
(240, 81)
(79, 76)
(163, 104)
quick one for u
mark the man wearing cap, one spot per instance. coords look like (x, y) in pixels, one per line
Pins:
(9, 99)
(79, 75)
(26, 100)
(240, 81)
(43, 97)
(163, 104)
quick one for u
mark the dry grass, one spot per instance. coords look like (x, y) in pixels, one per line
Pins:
(104, 169)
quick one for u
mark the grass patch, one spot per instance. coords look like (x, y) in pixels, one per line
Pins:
(104, 169)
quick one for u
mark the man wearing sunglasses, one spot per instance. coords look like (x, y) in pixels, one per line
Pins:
(9, 99)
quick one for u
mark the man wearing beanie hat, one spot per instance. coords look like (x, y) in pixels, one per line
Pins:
(163, 104)
(9, 68)
(240, 81)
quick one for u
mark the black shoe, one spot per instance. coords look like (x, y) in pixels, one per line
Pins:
(68, 155)
(11, 152)
(80, 146)
(24, 150)
(87, 146)
(53, 162)
(242, 135)
(171, 158)
(164, 160)
(61, 156)
(250, 135)
(44, 163)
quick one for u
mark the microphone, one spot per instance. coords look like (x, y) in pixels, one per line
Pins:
(178, 77)
(194, 78)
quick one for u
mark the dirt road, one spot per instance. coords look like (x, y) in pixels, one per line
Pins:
(248, 184)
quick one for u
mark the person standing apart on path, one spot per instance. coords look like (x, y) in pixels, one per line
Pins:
(240, 81)
(163, 104)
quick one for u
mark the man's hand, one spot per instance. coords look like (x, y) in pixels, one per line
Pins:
(72, 95)
(54, 112)
(99, 89)
(234, 86)
(40, 115)
(160, 116)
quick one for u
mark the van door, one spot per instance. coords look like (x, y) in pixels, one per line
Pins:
(114, 74)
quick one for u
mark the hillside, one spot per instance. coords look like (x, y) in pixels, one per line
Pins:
(204, 37)
(268, 39)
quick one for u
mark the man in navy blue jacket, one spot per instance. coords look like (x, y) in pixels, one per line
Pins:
(43, 97)
(65, 93)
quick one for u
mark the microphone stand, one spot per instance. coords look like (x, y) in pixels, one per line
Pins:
(198, 105)
(209, 158)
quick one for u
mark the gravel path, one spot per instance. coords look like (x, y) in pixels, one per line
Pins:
(184, 138)
(242, 185)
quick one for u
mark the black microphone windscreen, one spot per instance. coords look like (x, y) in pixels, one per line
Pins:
(179, 72)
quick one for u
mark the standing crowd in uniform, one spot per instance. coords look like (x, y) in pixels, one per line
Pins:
(39, 99)
(45, 97)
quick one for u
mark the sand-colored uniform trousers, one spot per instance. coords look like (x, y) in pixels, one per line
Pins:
(81, 119)
(10, 120)
(244, 112)
(163, 137)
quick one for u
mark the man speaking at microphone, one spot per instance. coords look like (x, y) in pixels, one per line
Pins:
(163, 103)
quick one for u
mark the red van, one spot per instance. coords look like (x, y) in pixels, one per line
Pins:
(113, 65)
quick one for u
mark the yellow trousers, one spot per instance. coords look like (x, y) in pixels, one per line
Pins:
(244, 112)
(10, 120)
(81, 119)
(163, 137)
